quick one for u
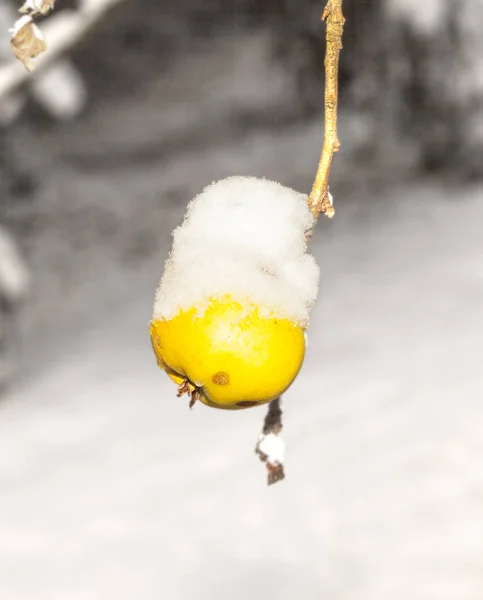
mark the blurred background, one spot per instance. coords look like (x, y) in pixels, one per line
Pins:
(109, 486)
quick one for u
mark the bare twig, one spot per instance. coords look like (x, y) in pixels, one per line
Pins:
(273, 420)
(270, 445)
(320, 200)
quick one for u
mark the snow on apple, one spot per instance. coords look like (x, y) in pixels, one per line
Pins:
(244, 237)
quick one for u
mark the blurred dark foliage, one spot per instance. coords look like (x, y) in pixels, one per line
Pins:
(397, 79)
(389, 72)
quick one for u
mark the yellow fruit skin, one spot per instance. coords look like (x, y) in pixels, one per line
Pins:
(236, 357)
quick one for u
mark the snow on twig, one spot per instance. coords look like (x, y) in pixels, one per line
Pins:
(270, 447)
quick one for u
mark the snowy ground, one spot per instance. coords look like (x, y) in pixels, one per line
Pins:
(112, 489)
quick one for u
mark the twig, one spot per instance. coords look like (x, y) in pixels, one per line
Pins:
(270, 448)
(320, 200)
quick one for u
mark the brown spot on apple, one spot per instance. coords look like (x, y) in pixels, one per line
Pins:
(221, 378)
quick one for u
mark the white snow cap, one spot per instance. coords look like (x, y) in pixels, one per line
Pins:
(244, 237)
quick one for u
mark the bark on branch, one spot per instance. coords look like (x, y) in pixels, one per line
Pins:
(319, 200)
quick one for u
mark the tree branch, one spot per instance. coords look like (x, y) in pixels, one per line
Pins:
(62, 32)
(320, 200)
(270, 446)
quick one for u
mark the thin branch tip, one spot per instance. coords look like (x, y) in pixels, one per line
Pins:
(319, 201)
